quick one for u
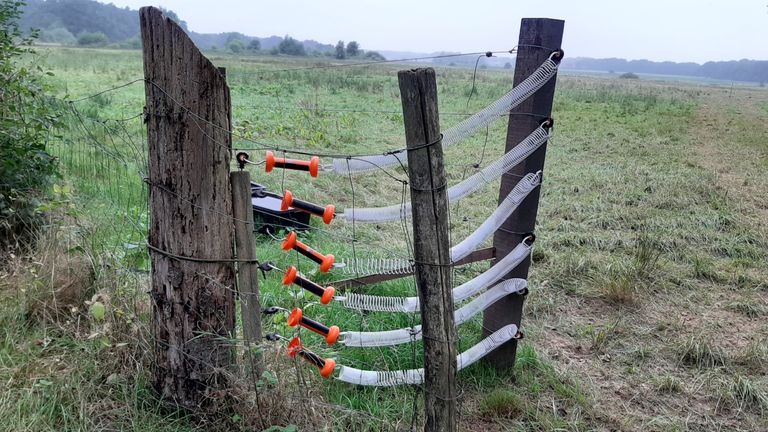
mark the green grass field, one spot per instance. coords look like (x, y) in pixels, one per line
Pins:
(649, 292)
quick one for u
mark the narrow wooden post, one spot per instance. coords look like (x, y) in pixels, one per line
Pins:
(535, 33)
(247, 272)
(191, 231)
(426, 171)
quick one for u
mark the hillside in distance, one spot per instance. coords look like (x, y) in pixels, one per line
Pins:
(91, 23)
(742, 70)
(66, 21)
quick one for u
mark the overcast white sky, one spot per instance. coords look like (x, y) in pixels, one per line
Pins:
(675, 30)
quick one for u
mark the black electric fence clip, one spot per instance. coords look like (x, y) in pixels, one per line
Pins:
(272, 337)
(242, 159)
(271, 311)
(265, 267)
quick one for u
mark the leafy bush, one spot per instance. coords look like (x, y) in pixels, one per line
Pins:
(236, 46)
(628, 75)
(92, 39)
(374, 55)
(291, 46)
(58, 35)
(26, 118)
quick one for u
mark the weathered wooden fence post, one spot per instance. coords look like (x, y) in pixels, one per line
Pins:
(191, 231)
(247, 272)
(429, 200)
(538, 38)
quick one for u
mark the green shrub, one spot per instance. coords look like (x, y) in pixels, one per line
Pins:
(628, 75)
(59, 35)
(502, 403)
(92, 39)
(236, 46)
(26, 119)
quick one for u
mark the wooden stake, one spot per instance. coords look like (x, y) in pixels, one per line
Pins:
(247, 272)
(429, 200)
(188, 119)
(535, 33)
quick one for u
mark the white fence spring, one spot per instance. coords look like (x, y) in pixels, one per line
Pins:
(399, 266)
(412, 334)
(497, 218)
(460, 293)
(466, 127)
(458, 191)
(372, 265)
(378, 303)
(416, 376)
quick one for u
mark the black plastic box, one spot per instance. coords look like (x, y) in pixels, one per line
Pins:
(268, 216)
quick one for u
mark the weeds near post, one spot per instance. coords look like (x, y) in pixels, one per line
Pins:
(624, 280)
(502, 403)
(700, 353)
(745, 395)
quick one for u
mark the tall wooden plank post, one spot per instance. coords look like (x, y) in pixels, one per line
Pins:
(191, 231)
(247, 267)
(247, 264)
(539, 37)
(429, 201)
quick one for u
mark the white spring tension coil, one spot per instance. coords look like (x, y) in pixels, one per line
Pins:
(372, 265)
(416, 376)
(461, 315)
(365, 266)
(466, 127)
(497, 218)
(460, 293)
(458, 191)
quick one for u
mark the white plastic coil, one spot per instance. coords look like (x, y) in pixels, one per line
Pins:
(466, 127)
(458, 191)
(416, 376)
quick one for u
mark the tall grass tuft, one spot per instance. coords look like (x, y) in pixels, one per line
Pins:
(698, 352)
(746, 394)
(502, 403)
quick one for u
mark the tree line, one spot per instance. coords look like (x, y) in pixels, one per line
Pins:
(93, 24)
(755, 71)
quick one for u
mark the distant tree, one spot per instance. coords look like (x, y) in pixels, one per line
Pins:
(291, 46)
(340, 54)
(507, 65)
(353, 49)
(373, 55)
(236, 46)
(254, 45)
(92, 39)
(628, 75)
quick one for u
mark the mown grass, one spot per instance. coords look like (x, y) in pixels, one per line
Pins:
(636, 238)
